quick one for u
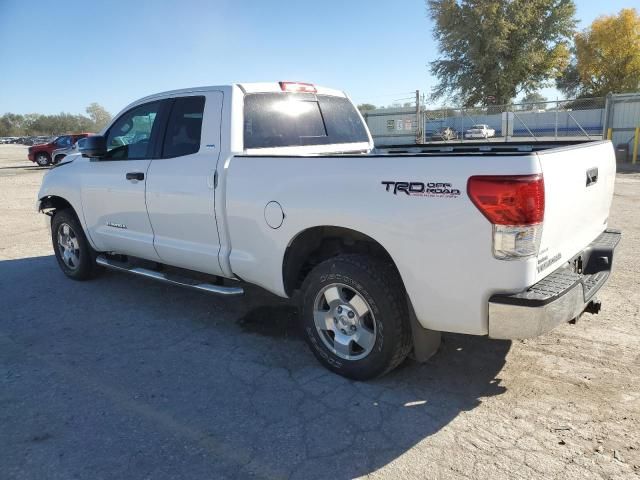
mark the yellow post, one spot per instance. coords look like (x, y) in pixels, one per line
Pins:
(636, 137)
(609, 133)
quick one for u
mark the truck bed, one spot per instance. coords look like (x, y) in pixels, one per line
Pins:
(475, 148)
(441, 243)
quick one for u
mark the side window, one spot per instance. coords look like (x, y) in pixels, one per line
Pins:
(184, 127)
(63, 141)
(129, 138)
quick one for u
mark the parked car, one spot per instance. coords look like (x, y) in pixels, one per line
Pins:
(480, 131)
(33, 140)
(445, 133)
(60, 153)
(279, 185)
(42, 153)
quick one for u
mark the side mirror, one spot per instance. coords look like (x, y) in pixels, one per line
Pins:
(94, 146)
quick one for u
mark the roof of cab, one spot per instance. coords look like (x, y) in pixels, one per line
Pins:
(275, 87)
(257, 87)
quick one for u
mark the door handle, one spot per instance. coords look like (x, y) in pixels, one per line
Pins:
(135, 176)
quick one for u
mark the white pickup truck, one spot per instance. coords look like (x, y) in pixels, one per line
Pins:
(279, 185)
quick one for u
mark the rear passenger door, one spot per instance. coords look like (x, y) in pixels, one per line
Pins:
(180, 184)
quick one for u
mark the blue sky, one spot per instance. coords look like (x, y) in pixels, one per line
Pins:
(63, 55)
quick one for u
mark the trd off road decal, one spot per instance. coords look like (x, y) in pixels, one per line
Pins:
(421, 189)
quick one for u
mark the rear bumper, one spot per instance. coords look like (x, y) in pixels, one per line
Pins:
(560, 297)
(31, 156)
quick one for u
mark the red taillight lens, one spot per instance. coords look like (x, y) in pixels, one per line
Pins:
(509, 199)
(298, 87)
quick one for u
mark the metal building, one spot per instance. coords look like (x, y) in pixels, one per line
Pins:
(622, 124)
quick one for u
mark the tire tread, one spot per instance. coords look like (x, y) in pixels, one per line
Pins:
(385, 275)
(395, 295)
(89, 268)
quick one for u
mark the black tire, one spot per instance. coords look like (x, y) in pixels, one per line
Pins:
(43, 159)
(82, 265)
(58, 159)
(379, 284)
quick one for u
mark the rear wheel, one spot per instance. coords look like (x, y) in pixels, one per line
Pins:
(75, 256)
(43, 159)
(355, 316)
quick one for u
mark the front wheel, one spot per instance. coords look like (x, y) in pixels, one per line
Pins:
(43, 159)
(355, 316)
(75, 256)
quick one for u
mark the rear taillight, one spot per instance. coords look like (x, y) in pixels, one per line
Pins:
(514, 204)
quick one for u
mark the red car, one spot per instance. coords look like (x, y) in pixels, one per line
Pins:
(41, 154)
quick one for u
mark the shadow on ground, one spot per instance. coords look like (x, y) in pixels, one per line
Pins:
(25, 167)
(122, 377)
(628, 168)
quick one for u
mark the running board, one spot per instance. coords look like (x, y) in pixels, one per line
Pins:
(173, 280)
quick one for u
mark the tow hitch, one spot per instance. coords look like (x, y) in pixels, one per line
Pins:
(593, 307)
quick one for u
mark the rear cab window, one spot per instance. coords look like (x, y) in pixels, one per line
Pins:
(300, 119)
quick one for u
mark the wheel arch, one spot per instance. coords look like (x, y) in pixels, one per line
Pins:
(315, 244)
(50, 203)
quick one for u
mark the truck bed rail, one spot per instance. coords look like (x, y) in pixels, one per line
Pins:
(475, 148)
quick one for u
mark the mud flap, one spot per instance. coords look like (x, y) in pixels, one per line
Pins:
(425, 342)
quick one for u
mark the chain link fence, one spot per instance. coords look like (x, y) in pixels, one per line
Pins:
(582, 118)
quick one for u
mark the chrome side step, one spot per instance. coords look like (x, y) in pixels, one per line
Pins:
(180, 281)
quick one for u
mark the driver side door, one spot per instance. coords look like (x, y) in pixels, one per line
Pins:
(113, 187)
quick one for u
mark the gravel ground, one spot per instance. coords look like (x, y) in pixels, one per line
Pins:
(122, 377)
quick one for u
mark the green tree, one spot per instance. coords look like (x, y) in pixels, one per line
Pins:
(493, 50)
(569, 81)
(98, 115)
(12, 124)
(29, 125)
(606, 57)
(365, 107)
(534, 100)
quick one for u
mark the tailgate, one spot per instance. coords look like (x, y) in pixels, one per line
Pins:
(578, 182)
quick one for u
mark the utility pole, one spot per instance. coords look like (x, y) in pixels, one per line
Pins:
(418, 119)
(555, 135)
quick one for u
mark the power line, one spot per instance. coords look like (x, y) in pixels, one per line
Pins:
(376, 97)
